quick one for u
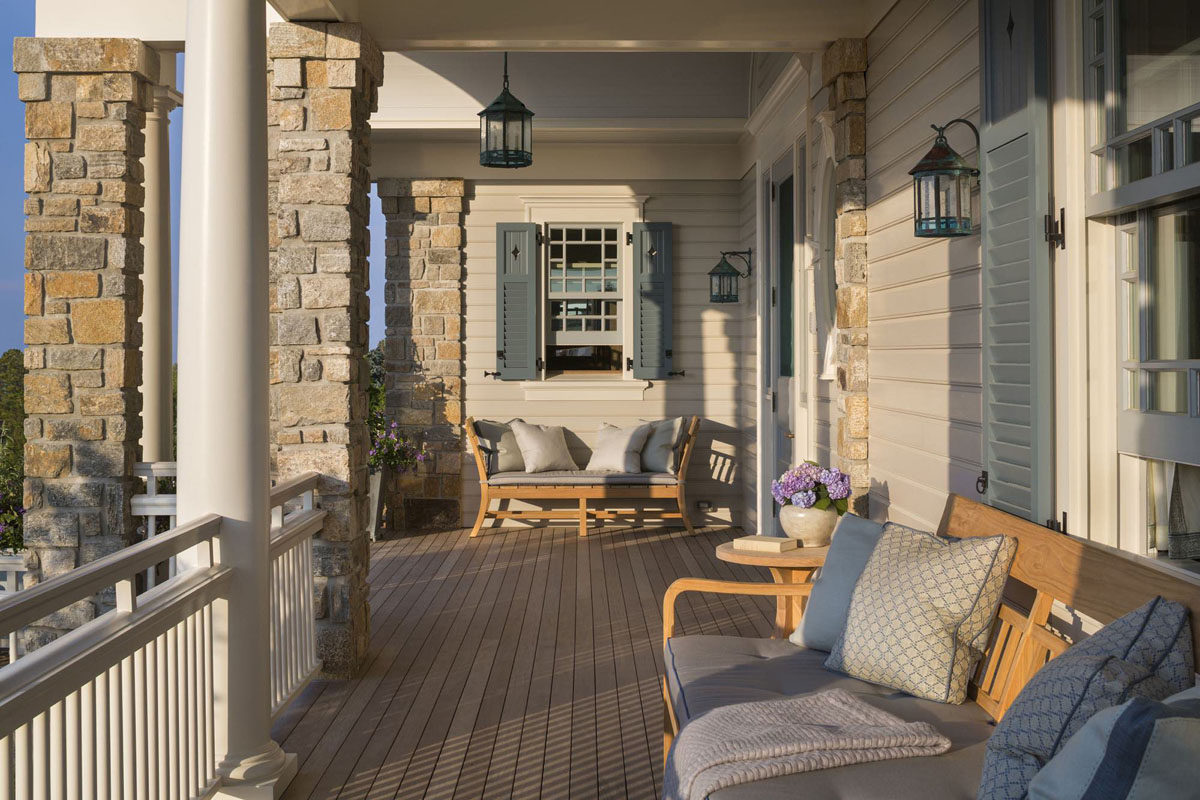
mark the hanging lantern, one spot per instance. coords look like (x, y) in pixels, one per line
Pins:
(506, 131)
(942, 184)
(723, 278)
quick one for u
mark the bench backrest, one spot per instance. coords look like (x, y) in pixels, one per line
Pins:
(1098, 581)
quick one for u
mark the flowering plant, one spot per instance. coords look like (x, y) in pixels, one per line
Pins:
(11, 494)
(394, 449)
(809, 485)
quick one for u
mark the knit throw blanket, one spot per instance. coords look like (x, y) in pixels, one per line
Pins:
(750, 742)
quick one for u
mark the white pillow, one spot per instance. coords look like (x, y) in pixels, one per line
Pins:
(618, 449)
(661, 453)
(543, 447)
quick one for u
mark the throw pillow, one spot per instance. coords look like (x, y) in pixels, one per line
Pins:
(1140, 750)
(661, 451)
(543, 447)
(618, 449)
(500, 445)
(922, 610)
(824, 617)
(1146, 653)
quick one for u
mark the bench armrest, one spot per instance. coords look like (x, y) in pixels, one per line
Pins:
(723, 587)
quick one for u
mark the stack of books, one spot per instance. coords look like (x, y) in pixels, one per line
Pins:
(765, 544)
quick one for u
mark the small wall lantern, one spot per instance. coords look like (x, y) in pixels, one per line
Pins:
(723, 278)
(506, 131)
(942, 183)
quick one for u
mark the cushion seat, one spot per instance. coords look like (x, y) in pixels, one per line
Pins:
(582, 478)
(706, 672)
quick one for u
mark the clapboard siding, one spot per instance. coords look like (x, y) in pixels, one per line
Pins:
(747, 376)
(924, 296)
(710, 342)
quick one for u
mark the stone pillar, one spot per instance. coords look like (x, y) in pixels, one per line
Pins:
(323, 81)
(844, 67)
(86, 102)
(423, 351)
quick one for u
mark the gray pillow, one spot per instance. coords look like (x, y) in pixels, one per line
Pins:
(854, 540)
(1146, 653)
(661, 452)
(1156, 743)
(499, 446)
(543, 447)
(618, 449)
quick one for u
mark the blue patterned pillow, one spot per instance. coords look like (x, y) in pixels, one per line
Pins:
(1146, 653)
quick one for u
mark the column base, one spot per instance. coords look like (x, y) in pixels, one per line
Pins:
(259, 788)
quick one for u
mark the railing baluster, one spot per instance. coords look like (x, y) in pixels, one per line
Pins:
(6, 773)
(103, 751)
(24, 780)
(58, 762)
(140, 754)
(87, 739)
(115, 731)
(172, 718)
(73, 733)
(192, 740)
(163, 740)
(41, 767)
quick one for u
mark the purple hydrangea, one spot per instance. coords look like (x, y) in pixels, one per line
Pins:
(807, 484)
(804, 499)
(839, 489)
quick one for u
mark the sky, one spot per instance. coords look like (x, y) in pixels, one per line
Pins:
(19, 21)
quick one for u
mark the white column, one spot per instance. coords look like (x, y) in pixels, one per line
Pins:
(223, 458)
(156, 278)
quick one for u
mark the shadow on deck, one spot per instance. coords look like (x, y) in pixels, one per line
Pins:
(523, 664)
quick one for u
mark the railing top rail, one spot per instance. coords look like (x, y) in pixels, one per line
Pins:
(155, 469)
(45, 598)
(301, 525)
(294, 487)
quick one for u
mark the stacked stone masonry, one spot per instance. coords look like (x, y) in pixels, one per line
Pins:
(423, 349)
(85, 106)
(323, 83)
(843, 67)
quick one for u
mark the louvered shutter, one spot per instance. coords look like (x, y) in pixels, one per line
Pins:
(652, 319)
(1018, 385)
(516, 300)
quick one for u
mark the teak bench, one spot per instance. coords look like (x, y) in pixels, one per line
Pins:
(1094, 579)
(670, 489)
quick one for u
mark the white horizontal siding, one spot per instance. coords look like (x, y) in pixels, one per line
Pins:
(923, 295)
(747, 375)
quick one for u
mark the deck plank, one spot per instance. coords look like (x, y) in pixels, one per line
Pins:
(525, 663)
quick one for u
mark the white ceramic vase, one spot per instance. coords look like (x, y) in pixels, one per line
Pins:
(812, 526)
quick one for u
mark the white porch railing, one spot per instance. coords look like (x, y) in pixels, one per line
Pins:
(12, 580)
(152, 506)
(124, 706)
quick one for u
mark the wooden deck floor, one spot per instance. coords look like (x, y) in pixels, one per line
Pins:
(521, 664)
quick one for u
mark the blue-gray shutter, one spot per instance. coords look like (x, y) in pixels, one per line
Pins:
(652, 268)
(1018, 375)
(516, 300)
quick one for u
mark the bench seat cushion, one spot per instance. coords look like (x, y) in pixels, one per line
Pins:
(705, 672)
(582, 478)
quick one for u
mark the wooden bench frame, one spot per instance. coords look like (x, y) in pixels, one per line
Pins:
(582, 493)
(1094, 579)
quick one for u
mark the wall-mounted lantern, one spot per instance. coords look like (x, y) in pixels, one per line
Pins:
(723, 278)
(506, 131)
(942, 183)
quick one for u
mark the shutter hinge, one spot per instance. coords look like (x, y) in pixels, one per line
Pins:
(1056, 230)
(540, 364)
(774, 401)
(540, 239)
(499, 355)
(773, 297)
(629, 237)
(772, 192)
(670, 354)
(629, 364)
(1058, 525)
(981, 483)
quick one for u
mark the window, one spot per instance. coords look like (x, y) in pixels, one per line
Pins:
(1144, 85)
(583, 281)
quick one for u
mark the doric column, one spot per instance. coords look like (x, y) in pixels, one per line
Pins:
(85, 109)
(844, 65)
(323, 82)
(223, 458)
(157, 357)
(423, 348)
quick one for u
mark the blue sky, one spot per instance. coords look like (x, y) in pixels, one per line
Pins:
(19, 21)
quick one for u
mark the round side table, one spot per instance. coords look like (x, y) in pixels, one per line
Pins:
(793, 566)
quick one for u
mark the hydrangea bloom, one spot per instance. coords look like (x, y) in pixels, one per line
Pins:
(808, 484)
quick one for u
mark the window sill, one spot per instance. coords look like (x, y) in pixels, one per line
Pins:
(574, 387)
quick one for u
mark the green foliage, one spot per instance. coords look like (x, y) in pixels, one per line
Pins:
(12, 396)
(12, 449)
(389, 446)
(376, 389)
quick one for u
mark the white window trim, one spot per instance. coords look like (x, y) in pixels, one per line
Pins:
(620, 208)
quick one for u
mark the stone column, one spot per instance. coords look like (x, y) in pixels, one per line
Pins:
(423, 351)
(323, 83)
(86, 101)
(844, 65)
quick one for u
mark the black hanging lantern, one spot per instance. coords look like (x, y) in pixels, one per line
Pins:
(723, 278)
(506, 131)
(942, 183)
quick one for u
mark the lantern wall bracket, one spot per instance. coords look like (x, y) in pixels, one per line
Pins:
(746, 255)
(941, 131)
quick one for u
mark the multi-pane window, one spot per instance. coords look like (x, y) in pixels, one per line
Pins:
(583, 292)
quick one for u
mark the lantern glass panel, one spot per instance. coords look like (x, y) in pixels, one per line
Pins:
(512, 131)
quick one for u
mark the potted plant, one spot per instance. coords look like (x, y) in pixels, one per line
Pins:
(811, 498)
(392, 452)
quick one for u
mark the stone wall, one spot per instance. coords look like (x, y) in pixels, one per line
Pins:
(844, 67)
(423, 349)
(85, 105)
(323, 83)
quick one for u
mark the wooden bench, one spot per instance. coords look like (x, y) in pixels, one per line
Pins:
(585, 493)
(1098, 581)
